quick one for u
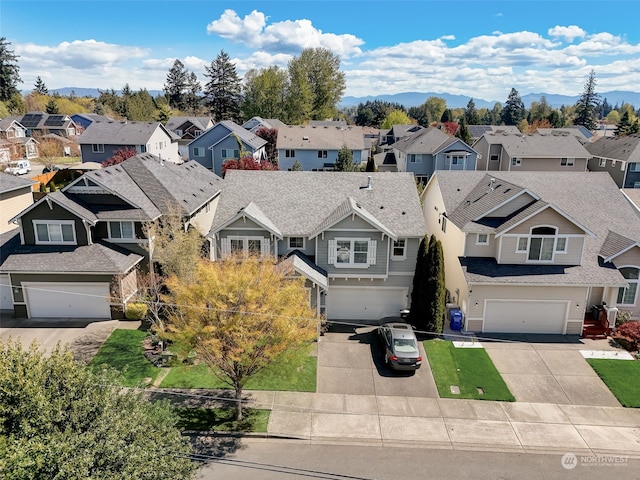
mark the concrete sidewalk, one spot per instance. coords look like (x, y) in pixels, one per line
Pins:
(454, 424)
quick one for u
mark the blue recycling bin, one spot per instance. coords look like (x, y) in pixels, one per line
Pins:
(455, 319)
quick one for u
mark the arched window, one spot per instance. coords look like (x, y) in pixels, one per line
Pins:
(627, 295)
(542, 243)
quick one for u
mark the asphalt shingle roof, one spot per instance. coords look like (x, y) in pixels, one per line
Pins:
(298, 202)
(121, 133)
(320, 138)
(9, 183)
(618, 148)
(591, 199)
(425, 141)
(539, 146)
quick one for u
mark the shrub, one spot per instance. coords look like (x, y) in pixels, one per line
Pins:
(628, 335)
(136, 311)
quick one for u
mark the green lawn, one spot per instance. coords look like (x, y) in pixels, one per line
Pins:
(222, 419)
(467, 368)
(123, 351)
(296, 371)
(622, 377)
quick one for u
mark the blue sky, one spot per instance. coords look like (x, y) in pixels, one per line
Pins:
(477, 48)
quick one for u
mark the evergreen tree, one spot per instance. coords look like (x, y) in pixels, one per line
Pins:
(223, 90)
(471, 114)
(371, 165)
(627, 125)
(435, 286)
(176, 86)
(344, 162)
(40, 88)
(418, 314)
(9, 71)
(463, 132)
(296, 167)
(373, 113)
(447, 116)
(588, 104)
(52, 107)
(513, 112)
(192, 96)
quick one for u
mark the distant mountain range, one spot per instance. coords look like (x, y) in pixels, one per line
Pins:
(414, 99)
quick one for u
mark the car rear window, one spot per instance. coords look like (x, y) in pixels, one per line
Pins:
(405, 345)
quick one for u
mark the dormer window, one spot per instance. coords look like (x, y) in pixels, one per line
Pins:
(54, 232)
(542, 244)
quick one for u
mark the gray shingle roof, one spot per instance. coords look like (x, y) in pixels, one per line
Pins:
(9, 183)
(614, 244)
(618, 148)
(320, 138)
(202, 123)
(426, 141)
(539, 146)
(121, 133)
(95, 258)
(591, 199)
(306, 267)
(247, 137)
(297, 202)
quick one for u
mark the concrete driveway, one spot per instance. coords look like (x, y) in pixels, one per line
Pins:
(84, 337)
(548, 369)
(350, 361)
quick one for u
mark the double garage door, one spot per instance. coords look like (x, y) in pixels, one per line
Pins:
(365, 303)
(67, 300)
(525, 316)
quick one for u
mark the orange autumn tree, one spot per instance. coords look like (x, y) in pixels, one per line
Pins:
(239, 315)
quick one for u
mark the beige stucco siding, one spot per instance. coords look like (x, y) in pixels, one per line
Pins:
(11, 204)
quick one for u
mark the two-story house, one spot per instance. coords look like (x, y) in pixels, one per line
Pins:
(101, 140)
(186, 129)
(79, 247)
(620, 156)
(226, 140)
(556, 151)
(427, 150)
(354, 236)
(83, 120)
(534, 252)
(15, 144)
(256, 123)
(317, 148)
(41, 123)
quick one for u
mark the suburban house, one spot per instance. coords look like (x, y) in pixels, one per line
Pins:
(256, 123)
(427, 150)
(83, 120)
(582, 133)
(226, 140)
(316, 148)
(15, 196)
(557, 151)
(186, 129)
(354, 236)
(15, 144)
(620, 156)
(395, 133)
(102, 140)
(77, 249)
(536, 252)
(40, 123)
(477, 131)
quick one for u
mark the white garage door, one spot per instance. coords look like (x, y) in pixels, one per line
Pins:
(6, 301)
(365, 303)
(67, 300)
(524, 316)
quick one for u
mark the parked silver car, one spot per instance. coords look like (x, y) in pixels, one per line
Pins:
(400, 346)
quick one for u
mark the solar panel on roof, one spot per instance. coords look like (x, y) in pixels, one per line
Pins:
(31, 120)
(55, 121)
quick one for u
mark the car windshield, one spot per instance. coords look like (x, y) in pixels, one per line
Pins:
(405, 345)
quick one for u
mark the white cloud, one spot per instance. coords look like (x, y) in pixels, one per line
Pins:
(290, 36)
(569, 33)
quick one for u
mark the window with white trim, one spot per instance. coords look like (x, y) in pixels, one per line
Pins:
(399, 250)
(57, 232)
(523, 244)
(121, 231)
(198, 151)
(482, 239)
(602, 162)
(516, 161)
(414, 158)
(235, 244)
(322, 153)
(634, 167)
(230, 153)
(97, 148)
(543, 243)
(296, 242)
(561, 245)
(352, 252)
(288, 153)
(197, 133)
(567, 161)
(456, 159)
(627, 295)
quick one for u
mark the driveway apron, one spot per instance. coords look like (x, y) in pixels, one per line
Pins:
(351, 362)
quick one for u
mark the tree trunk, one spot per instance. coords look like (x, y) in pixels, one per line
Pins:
(238, 402)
